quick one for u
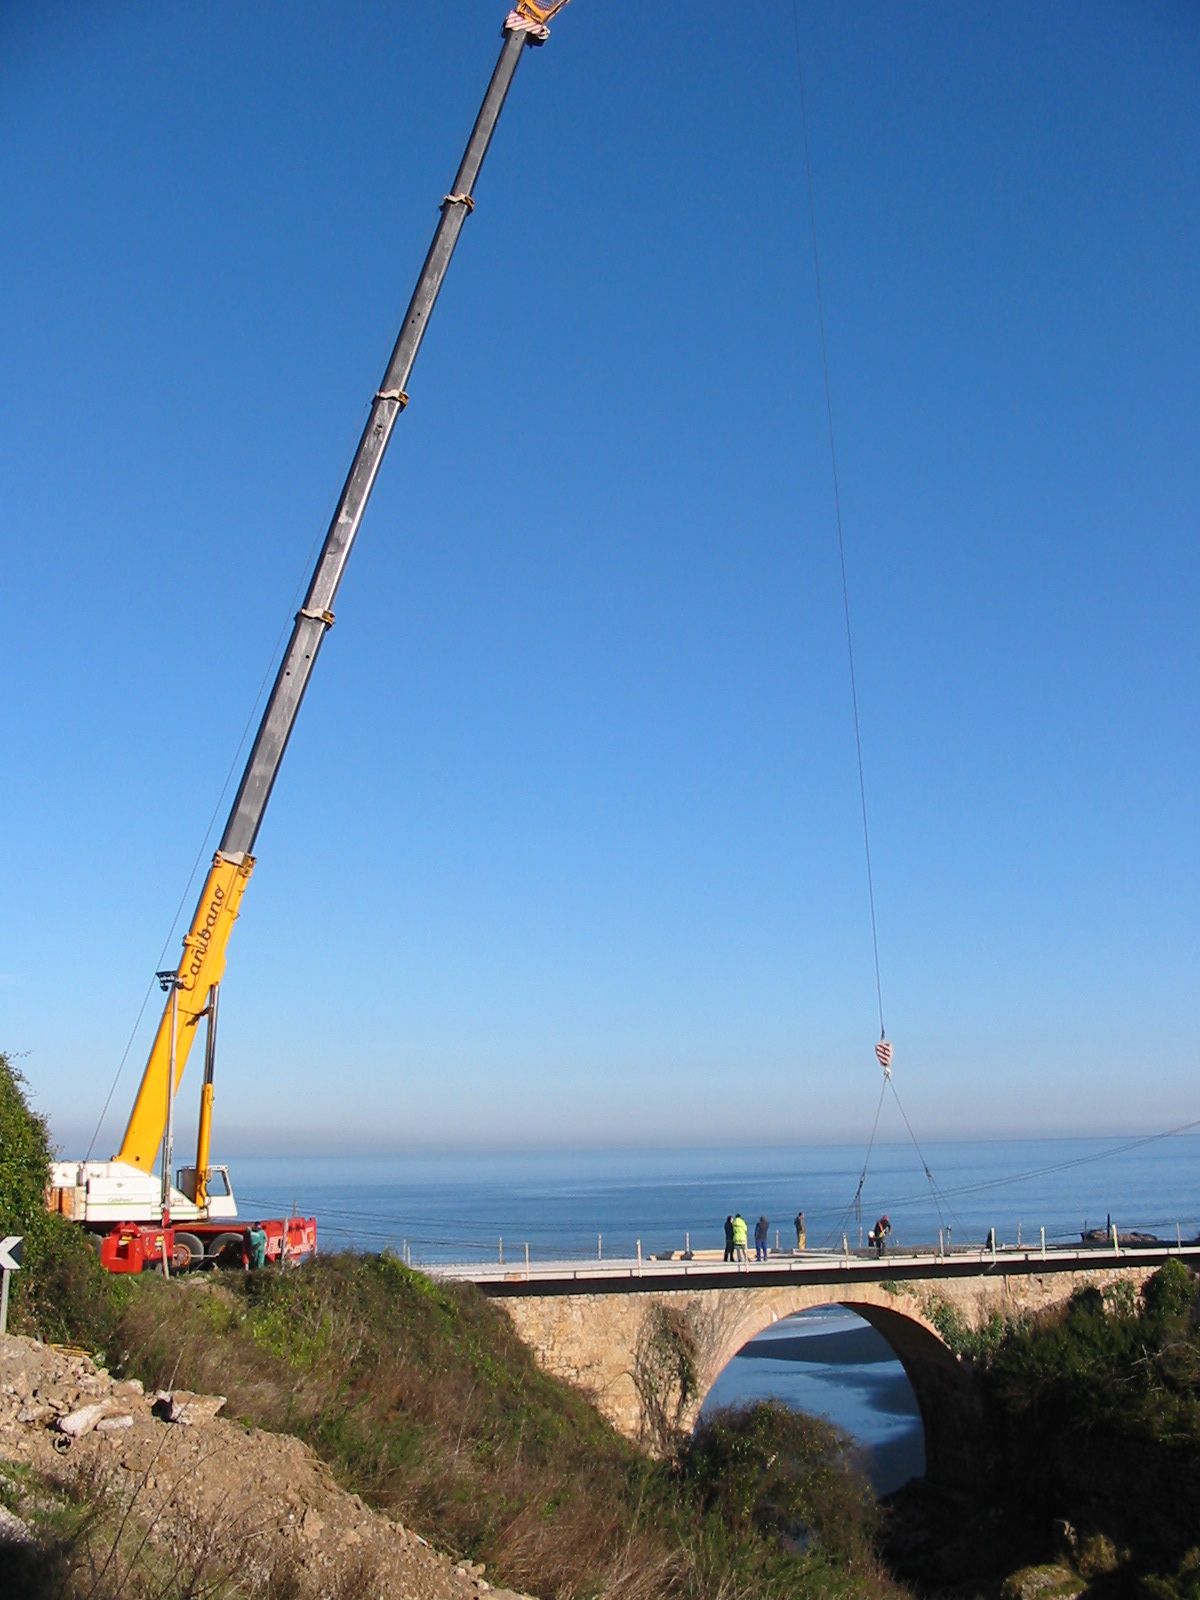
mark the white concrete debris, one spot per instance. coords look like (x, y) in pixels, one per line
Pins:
(76, 1423)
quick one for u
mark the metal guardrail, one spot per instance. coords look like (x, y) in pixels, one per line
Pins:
(818, 1265)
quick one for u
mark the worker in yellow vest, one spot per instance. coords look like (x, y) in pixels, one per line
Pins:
(740, 1235)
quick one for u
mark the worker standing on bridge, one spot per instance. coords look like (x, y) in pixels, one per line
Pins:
(761, 1229)
(801, 1232)
(729, 1238)
(880, 1232)
(740, 1235)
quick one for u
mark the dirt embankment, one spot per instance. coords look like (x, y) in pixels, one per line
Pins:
(178, 1484)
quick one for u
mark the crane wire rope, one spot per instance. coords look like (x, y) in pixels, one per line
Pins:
(251, 717)
(856, 1204)
(884, 1050)
(940, 1197)
(984, 1184)
(837, 510)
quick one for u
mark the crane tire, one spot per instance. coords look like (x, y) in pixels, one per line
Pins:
(221, 1250)
(188, 1251)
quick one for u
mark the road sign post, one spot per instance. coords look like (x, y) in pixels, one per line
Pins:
(10, 1261)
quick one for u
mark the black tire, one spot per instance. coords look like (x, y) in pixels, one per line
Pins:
(188, 1242)
(225, 1250)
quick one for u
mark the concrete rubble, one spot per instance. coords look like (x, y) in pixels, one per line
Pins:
(256, 1501)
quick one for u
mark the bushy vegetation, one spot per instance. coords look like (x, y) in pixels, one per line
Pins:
(1119, 1362)
(976, 1344)
(61, 1291)
(771, 1472)
(424, 1401)
(1095, 1415)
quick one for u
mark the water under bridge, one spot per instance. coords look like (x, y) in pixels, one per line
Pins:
(609, 1326)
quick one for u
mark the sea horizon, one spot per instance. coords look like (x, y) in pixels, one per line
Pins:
(464, 1204)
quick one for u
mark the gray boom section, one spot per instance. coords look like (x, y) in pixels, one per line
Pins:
(315, 617)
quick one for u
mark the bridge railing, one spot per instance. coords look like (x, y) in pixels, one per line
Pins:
(822, 1264)
(435, 1248)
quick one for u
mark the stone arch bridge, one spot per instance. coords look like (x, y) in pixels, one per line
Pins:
(602, 1327)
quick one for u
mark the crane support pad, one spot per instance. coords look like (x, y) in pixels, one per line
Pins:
(202, 965)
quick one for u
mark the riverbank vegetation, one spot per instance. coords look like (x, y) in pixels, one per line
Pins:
(1098, 1411)
(1092, 1427)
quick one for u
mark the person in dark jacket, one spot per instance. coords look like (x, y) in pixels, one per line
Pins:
(879, 1233)
(729, 1238)
(760, 1239)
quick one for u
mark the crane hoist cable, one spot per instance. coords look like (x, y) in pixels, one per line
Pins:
(841, 539)
(837, 511)
(883, 1049)
(205, 849)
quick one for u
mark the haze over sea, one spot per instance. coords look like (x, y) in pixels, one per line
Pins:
(444, 1207)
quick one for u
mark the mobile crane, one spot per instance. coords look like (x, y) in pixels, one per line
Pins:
(190, 1218)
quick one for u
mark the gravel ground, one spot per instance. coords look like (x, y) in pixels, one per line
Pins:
(206, 1492)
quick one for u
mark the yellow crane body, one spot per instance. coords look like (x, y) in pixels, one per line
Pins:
(200, 968)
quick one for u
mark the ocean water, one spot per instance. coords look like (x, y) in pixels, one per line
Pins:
(460, 1206)
(582, 1204)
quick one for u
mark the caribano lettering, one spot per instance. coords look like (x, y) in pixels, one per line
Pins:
(205, 933)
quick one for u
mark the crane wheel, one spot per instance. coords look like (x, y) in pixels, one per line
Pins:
(226, 1250)
(186, 1252)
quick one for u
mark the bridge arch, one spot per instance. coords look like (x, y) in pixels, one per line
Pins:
(944, 1390)
(591, 1330)
(903, 1322)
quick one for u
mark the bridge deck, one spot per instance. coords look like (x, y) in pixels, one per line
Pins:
(811, 1267)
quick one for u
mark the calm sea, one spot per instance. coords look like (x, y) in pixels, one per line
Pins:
(470, 1207)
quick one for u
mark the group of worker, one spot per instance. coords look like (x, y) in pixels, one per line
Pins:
(737, 1235)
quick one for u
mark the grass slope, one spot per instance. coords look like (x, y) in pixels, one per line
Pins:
(423, 1400)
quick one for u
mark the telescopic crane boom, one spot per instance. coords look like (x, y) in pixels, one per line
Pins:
(192, 988)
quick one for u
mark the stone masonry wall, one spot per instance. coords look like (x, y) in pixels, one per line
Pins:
(592, 1339)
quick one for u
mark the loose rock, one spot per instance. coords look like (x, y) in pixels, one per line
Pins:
(77, 1423)
(270, 1508)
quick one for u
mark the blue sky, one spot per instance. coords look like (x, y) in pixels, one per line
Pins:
(566, 848)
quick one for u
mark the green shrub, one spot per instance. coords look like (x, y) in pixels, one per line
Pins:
(1182, 1584)
(1170, 1294)
(1098, 1406)
(61, 1291)
(773, 1471)
(960, 1337)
